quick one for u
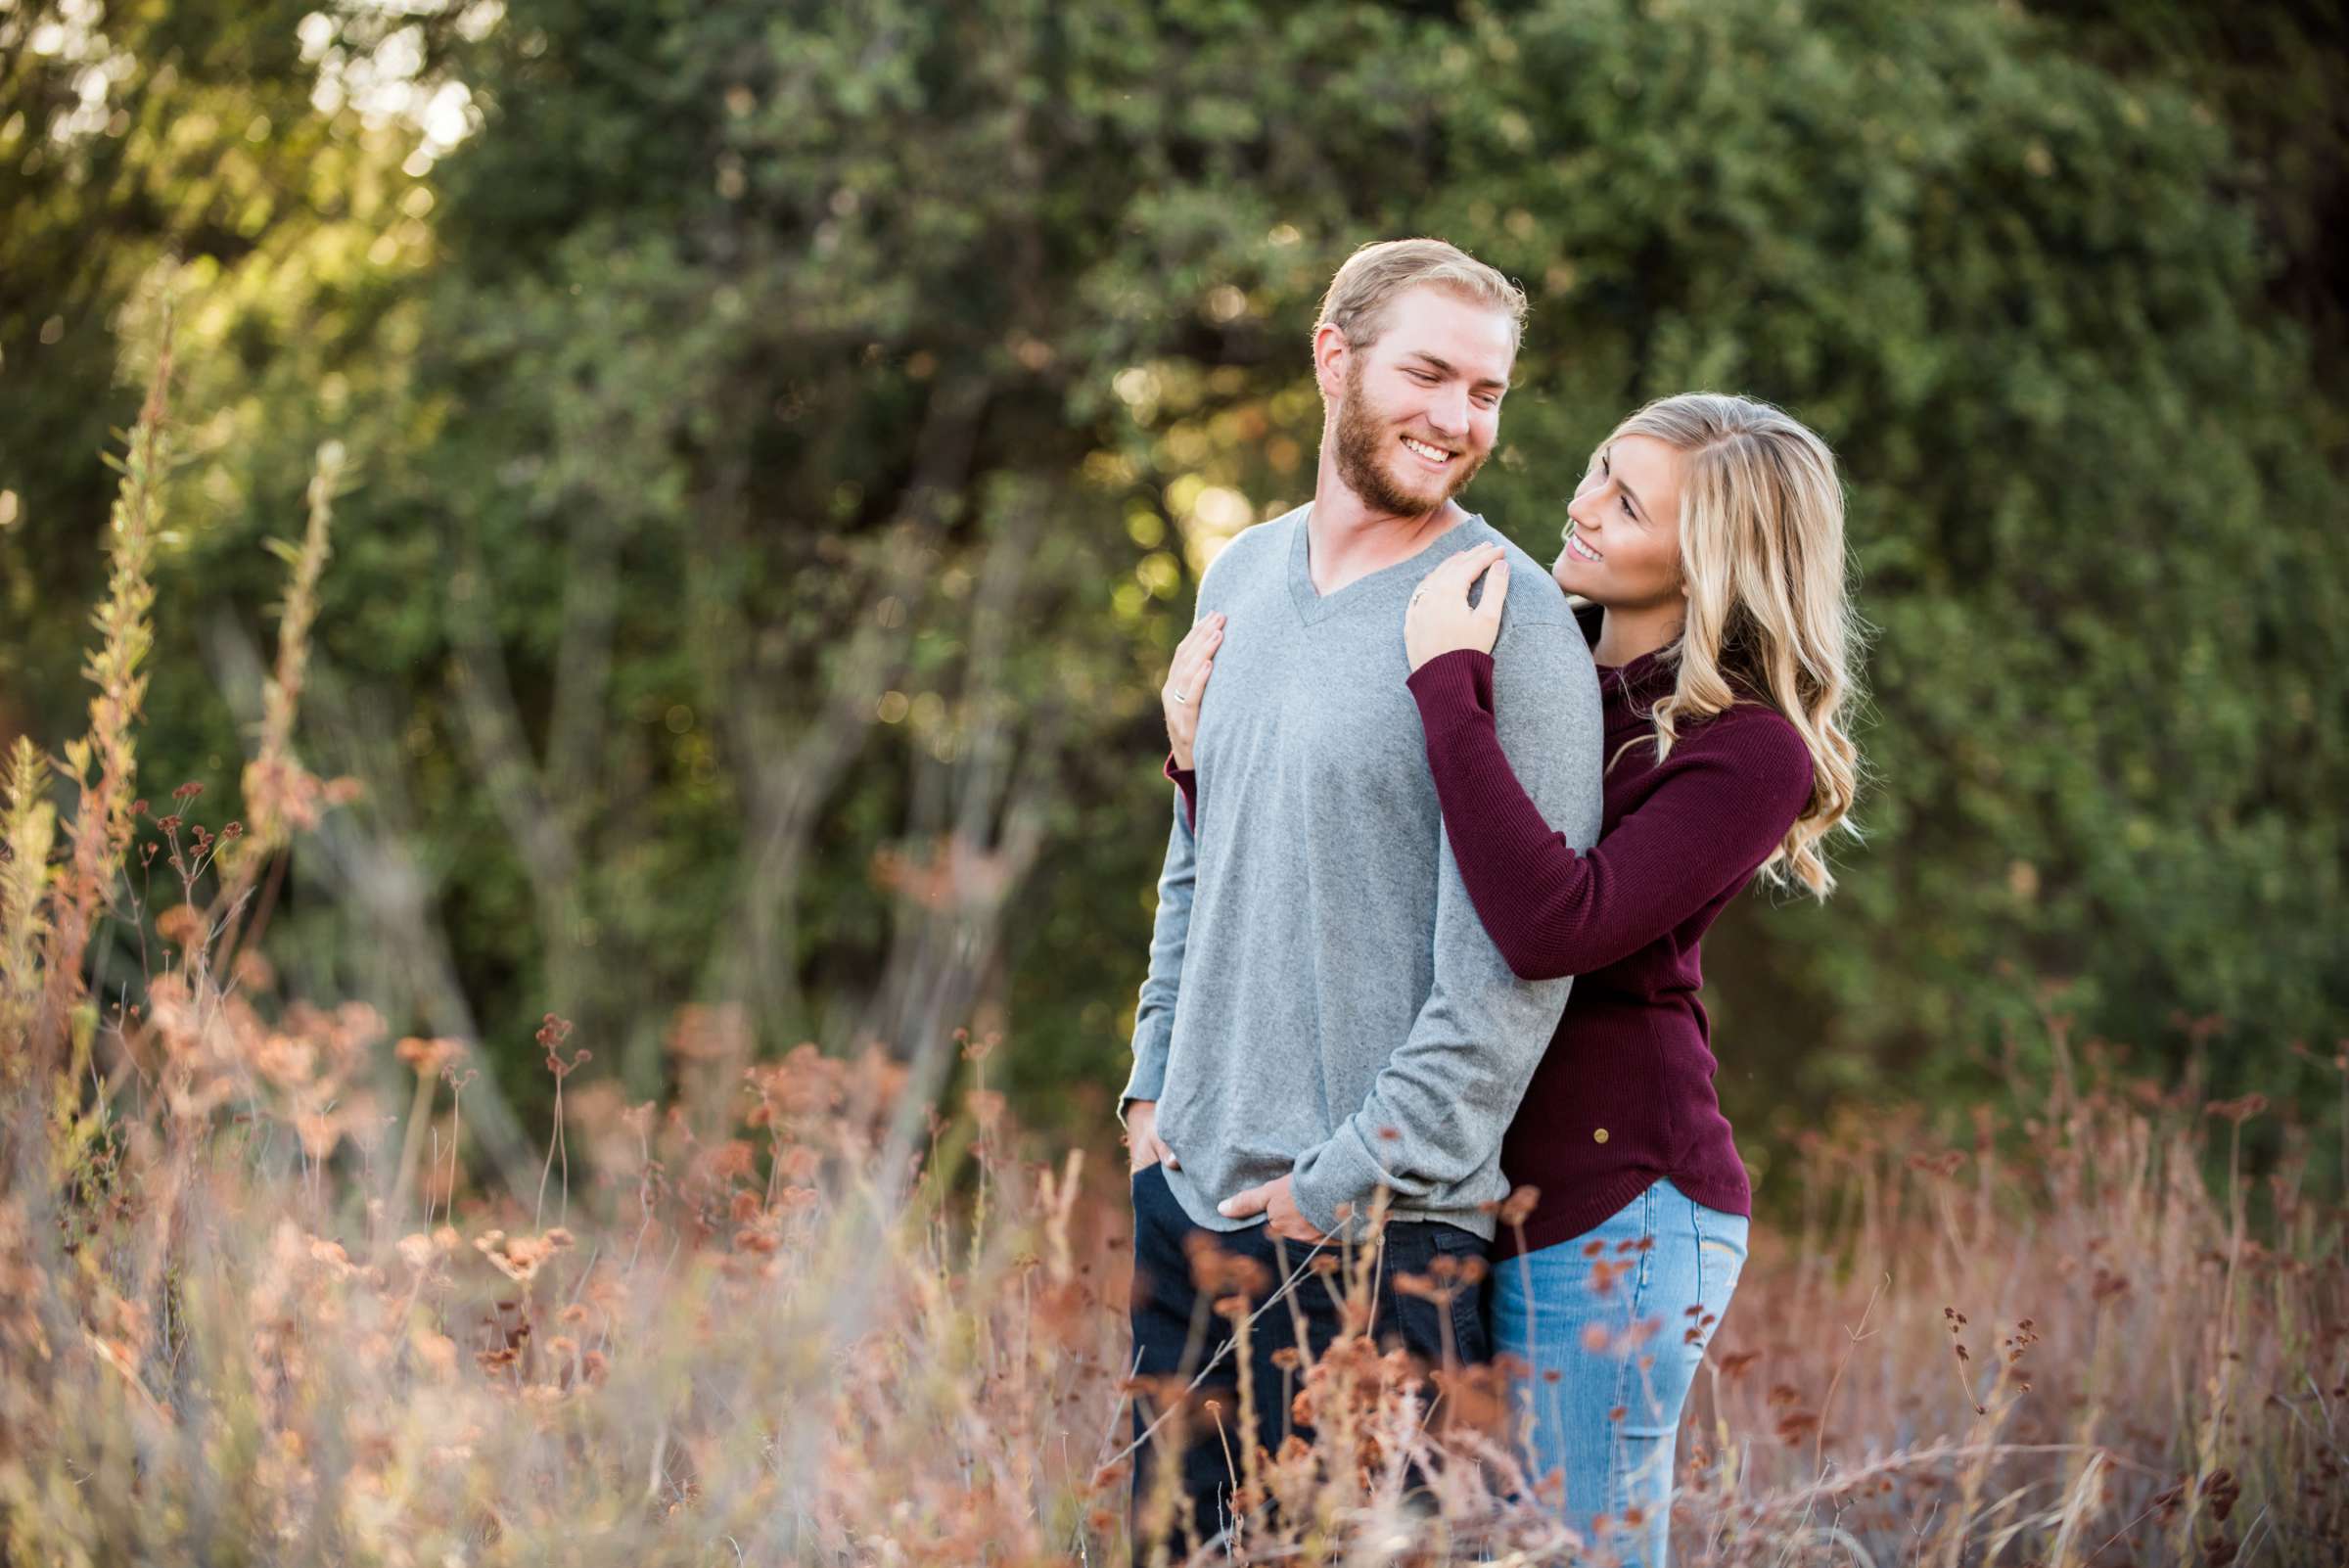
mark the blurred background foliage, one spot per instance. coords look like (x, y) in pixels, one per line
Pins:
(788, 435)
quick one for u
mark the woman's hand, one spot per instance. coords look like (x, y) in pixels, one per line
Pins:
(1441, 619)
(1186, 683)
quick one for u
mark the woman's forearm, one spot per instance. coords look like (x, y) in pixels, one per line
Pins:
(1703, 826)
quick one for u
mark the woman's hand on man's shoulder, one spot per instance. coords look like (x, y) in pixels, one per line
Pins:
(1440, 620)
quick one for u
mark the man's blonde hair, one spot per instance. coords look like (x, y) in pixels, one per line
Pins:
(1363, 294)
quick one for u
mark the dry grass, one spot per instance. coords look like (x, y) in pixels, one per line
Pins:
(252, 1308)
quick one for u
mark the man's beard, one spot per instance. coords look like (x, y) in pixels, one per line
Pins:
(1362, 429)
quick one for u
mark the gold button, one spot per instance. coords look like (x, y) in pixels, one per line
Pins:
(1599, 1137)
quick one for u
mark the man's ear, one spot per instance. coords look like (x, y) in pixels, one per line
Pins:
(1330, 349)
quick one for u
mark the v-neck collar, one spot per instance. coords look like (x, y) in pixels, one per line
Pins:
(1313, 607)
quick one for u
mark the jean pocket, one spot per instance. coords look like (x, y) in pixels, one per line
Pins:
(1149, 1186)
(1470, 1280)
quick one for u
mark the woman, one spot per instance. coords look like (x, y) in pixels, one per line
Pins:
(1707, 541)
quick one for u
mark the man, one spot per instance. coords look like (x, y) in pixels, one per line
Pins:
(1324, 1015)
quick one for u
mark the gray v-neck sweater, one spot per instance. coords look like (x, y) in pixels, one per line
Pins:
(1321, 997)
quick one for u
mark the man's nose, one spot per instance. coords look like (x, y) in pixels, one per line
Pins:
(1448, 410)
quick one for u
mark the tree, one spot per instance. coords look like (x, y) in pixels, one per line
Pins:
(792, 444)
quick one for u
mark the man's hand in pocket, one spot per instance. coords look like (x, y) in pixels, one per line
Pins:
(1142, 1137)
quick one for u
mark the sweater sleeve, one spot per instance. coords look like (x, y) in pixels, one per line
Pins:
(1169, 934)
(1186, 779)
(1720, 803)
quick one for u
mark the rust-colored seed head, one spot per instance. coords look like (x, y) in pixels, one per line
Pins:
(1519, 1205)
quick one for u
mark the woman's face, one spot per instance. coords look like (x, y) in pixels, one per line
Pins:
(1622, 547)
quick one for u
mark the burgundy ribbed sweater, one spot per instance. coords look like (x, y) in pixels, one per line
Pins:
(1624, 1093)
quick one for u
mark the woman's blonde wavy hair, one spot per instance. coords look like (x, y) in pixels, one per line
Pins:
(1768, 597)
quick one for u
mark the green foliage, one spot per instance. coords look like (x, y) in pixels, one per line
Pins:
(789, 433)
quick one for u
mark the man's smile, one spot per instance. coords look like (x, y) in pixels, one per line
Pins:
(1432, 456)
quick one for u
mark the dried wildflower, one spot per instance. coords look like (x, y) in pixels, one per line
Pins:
(429, 1057)
(1419, 1286)
(438, 1352)
(318, 1133)
(1796, 1425)
(1217, 1271)
(719, 1032)
(288, 1061)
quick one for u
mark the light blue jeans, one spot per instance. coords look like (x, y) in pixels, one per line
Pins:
(1614, 1324)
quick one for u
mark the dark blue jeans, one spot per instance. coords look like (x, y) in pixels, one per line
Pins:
(1166, 1307)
